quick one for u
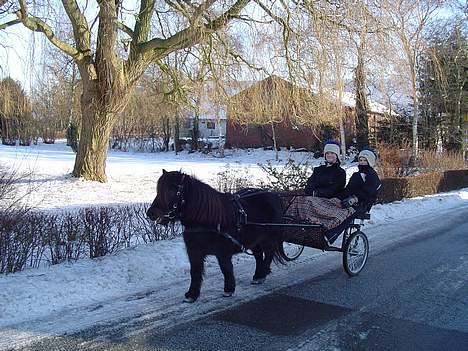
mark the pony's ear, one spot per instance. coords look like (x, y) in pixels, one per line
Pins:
(164, 171)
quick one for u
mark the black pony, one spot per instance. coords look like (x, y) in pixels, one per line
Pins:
(214, 224)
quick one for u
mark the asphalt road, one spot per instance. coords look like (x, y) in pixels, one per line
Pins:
(413, 295)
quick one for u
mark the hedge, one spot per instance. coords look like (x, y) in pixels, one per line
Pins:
(394, 189)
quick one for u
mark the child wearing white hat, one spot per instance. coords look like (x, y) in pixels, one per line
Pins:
(327, 180)
(363, 185)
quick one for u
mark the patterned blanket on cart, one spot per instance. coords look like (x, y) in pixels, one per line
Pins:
(317, 210)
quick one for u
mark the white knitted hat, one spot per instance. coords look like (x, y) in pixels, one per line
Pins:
(332, 148)
(369, 156)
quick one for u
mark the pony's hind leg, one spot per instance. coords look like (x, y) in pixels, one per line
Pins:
(263, 261)
(225, 263)
(196, 275)
(259, 275)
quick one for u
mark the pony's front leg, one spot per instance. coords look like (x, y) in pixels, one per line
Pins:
(197, 261)
(225, 263)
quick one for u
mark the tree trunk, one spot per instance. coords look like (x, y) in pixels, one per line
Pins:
(196, 125)
(71, 142)
(166, 133)
(220, 139)
(176, 133)
(414, 96)
(456, 122)
(342, 139)
(362, 126)
(273, 135)
(415, 150)
(96, 127)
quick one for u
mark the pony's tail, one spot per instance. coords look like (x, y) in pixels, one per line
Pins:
(279, 255)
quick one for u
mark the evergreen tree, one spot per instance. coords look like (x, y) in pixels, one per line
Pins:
(444, 89)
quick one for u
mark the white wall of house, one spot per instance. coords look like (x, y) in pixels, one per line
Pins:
(208, 127)
(212, 113)
(212, 128)
(212, 121)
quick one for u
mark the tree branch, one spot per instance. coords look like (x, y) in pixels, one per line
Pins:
(143, 22)
(142, 27)
(230, 14)
(178, 7)
(37, 25)
(238, 57)
(200, 10)
(192, 35)
(9, 24)
(81, 31)
(127, 30)
(111, 78)
(277, 19)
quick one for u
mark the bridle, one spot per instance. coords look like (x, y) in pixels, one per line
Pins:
(176, 212)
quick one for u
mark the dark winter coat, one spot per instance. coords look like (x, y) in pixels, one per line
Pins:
(363, 184)
(326, 181)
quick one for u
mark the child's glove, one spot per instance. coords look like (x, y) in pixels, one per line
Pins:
(349, 201)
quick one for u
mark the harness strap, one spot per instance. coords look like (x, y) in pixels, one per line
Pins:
(234, 241)
(223, 233)
(249, 192)
(242, 218)
(179, 202)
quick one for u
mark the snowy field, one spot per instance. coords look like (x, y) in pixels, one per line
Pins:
(148, 282)
(131, 176)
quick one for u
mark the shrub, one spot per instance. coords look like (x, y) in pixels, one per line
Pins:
(232, 180)
(430, 161)
(396, 162)
(20, 244)
(397, 188)
(28, 239)
(290, 177)
(393, 161)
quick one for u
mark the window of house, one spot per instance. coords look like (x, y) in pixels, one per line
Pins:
(210, 125)
(187, 124)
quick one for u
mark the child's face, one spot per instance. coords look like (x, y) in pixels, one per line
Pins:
(363, 161)
(330, 157)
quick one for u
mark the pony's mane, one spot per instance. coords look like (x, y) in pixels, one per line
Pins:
(206, 205)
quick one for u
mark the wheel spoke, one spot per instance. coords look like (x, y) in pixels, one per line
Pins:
(292, 251)
(357, 254)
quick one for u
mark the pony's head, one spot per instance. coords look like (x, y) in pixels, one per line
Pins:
(167, 205)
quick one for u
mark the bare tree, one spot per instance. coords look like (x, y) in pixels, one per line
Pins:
(108, 73)
(409, 18)
(15, 113)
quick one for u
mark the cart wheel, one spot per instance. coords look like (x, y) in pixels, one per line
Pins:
(290, 252)
(355, 253)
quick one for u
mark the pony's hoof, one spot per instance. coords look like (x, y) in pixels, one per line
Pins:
(227, 294)
(189, 300)
(257, 281)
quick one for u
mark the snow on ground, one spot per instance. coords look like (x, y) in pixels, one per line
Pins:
(148, 282)
(131, 176)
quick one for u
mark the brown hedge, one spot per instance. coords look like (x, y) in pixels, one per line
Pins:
(394, 189)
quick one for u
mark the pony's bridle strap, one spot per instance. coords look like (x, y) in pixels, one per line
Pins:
(176, 210)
